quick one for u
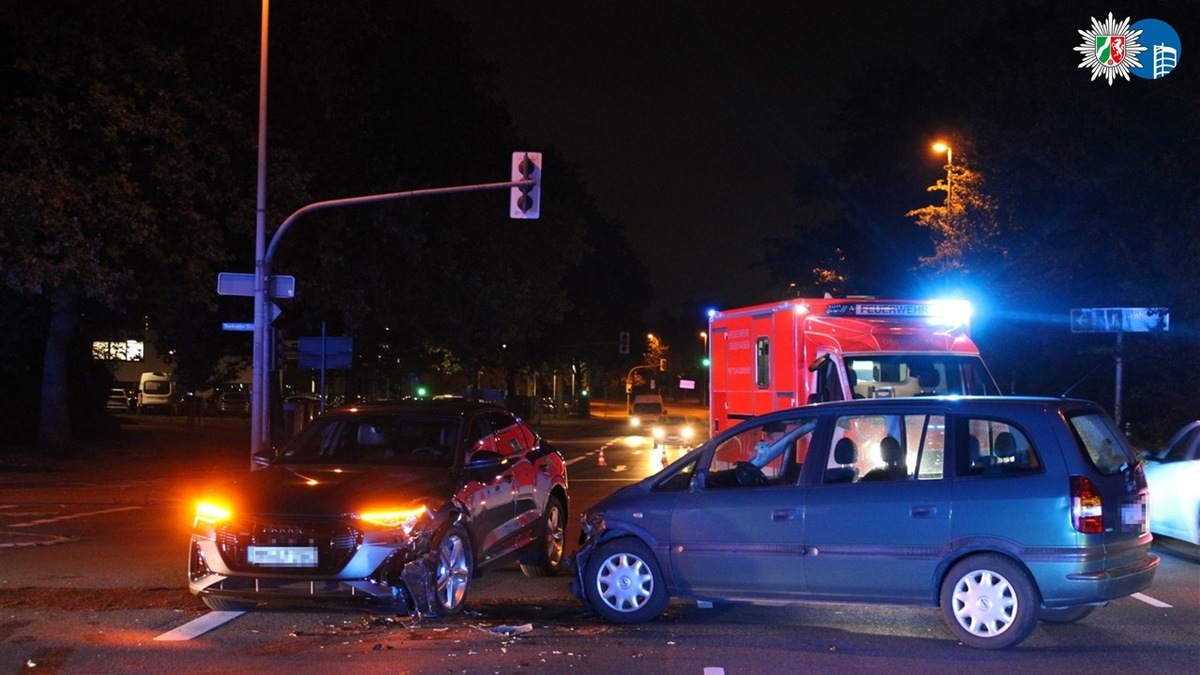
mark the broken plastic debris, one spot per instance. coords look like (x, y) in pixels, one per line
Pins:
(513, 630)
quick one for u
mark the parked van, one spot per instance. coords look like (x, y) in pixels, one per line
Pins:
(156, 392)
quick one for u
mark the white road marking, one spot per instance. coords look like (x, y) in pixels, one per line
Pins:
(43, 521)
(10, 539)
(198, 626)
(714, 670)
(1149, 600)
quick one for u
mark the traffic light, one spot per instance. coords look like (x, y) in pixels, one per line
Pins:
(662, 365)
(623, 342)
(525, 201)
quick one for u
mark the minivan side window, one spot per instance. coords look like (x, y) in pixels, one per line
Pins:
(769, 453)
(996, 448)
(1102, 442)
(875, 448)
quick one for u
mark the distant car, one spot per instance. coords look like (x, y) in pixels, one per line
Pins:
(1001, 511)
(232, 403)
(118, 400)
(1173, 473)
(674, 431)
(645, 408)
(393, 503)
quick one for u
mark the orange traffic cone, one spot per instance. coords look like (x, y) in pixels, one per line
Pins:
(600, 461)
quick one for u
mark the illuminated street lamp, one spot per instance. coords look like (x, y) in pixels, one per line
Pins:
(939, 148)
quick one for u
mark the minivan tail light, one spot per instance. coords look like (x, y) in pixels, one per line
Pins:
(1087, 511)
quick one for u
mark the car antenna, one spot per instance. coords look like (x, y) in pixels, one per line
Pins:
(1078, 382)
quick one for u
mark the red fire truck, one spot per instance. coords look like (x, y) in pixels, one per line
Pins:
(805, 350)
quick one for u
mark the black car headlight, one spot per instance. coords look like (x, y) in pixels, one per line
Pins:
(211, 512)
(406, 519)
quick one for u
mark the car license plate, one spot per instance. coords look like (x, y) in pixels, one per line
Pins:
(1133, 514)
(283, 556)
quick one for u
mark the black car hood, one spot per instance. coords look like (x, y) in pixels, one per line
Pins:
(331, 490)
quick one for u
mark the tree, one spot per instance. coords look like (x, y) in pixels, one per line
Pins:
(965, 227)
(111, 166)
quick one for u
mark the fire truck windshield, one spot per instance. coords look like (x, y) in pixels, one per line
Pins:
(885, 376)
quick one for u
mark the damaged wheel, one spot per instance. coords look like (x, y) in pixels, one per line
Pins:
(547, 559)
(455, 566)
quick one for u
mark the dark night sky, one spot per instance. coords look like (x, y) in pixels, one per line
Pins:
(687, 119)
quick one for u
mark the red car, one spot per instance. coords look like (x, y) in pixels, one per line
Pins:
(397, 503)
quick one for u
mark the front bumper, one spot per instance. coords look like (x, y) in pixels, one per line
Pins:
(374, 573)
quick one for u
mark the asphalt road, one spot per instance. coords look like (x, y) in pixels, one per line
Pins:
(92, 581)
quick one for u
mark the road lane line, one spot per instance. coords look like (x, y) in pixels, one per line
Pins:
(198, 626)
(1150, 601)
(73, 516)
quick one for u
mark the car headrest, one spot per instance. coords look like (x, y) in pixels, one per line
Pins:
(371, 435)
(890, 451)
(845, 452)
(1005, 445)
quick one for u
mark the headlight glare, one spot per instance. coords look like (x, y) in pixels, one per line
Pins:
(405, 519)
(211, 513)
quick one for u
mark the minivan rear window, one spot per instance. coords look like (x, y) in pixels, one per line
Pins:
(1102, 442)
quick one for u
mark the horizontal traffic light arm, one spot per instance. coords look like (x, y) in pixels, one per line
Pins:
(385, 197)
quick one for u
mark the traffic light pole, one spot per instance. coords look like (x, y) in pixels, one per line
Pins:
(260, 427)
(629, 385)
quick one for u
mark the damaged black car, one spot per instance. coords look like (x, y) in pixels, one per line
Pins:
(400, 503)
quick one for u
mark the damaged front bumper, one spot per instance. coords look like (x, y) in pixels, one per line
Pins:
(591, 534)
(403, 574)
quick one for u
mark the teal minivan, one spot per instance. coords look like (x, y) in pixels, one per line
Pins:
(1001, 511)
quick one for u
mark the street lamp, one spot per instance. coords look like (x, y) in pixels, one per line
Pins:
(260, 420)
(939, 148)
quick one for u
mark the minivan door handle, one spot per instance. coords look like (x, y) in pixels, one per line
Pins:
(783, 515)
(923, 511)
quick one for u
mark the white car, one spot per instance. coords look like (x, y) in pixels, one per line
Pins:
(1173, 474)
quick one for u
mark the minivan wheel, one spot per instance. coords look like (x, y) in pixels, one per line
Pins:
(546, 561)
(1066, 614)
(623, 582)
(455, 566)
(989, 602)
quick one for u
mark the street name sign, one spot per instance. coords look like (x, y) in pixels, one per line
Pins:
(236, 283)
(1121, 320)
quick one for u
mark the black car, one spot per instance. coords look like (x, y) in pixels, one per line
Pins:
(400, 503)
